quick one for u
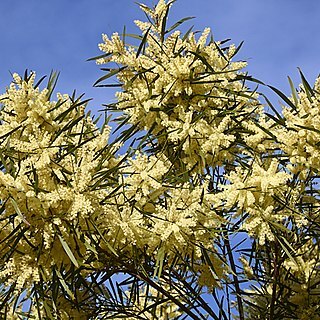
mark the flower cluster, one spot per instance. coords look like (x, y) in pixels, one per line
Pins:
(304, 283)
(254, 190)
(297, 287)
(299, 137)
(155, 215)
(188, 92)
(294, 140)
(49, 159)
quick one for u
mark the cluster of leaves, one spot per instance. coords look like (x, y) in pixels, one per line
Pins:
(215, 200)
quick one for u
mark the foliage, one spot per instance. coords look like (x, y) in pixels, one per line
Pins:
(210, 213)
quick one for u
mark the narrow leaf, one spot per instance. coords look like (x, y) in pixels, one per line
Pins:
(309, 90)
(294, 92)
(283, 97)
(285, 249)
(100, 56)
(143, 42)
(52, 82)
(16, 208)
(205, 62)
(178, 23)
(109, 75)
(68, 251)
(103, 238)
(237, 49)
(186, 35)
(64, 285)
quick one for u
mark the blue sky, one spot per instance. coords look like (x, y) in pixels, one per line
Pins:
(41, 35)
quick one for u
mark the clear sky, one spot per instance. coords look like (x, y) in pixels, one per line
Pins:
(41, 35)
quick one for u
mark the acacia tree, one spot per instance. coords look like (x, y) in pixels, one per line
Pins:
(210, 213)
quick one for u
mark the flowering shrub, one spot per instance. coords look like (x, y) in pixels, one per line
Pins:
(219, 196)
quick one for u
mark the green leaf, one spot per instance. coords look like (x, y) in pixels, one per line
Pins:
(124, 35)
(36, 180)
(266, 131)
(237, 49)
(14, 243)
(306, 85)
(16, 208)
(68, 251)
(74, 105)
(210, 264)
(64, 285)
(90, 247)
(187, 34)
(100, 56)
(283, 97)
(166, 93)
(144, 40)
(6, 296)
(4, 162)
(103, 238)
(285, 247)
(275, 119)
(135, 36)
(52, 82)
(271, 106)
(11, 234)
(203, 59)
(248, 78)
(39, 82)
(293, 91)
(57, 105)
(159, 262)
(163, 27)
(220, 51)
(178, 23)
(112, 85)
(308, 128)
(70, 125)
(47, 309)
(109, 75)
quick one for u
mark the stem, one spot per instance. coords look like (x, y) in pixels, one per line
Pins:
(235, 277)
(274, 286)
(166, 294)
(204, 305)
